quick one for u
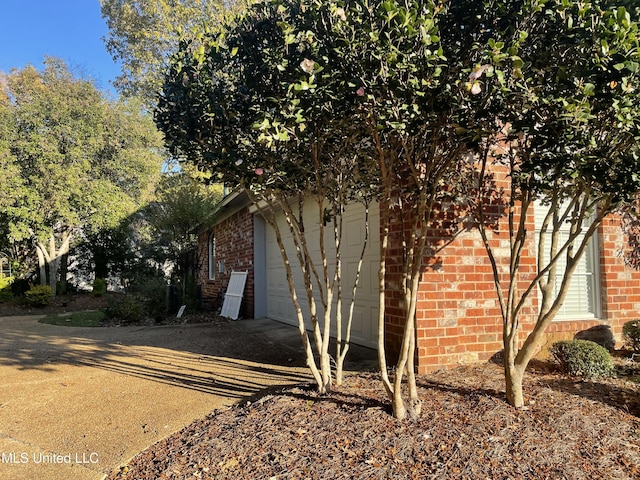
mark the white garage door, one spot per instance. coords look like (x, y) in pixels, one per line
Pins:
(365, 317)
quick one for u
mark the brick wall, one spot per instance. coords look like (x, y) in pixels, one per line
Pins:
(458, 318)
(234, 247)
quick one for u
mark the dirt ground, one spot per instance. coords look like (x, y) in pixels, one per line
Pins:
(570, 429)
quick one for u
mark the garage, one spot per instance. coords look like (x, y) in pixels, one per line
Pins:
(278, 301)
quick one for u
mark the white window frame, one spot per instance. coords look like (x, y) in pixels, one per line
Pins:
(211, 246)
(590, 265)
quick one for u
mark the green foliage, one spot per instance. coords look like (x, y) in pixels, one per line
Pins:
(183, 205)
(99, 287)
(151, 290)
(76, 159)
(573, 105)
(145, 299)
(583, 358)
(128, 309)
(5, 295)
(142, 35)
(631, 334)
(5, 289)
(38, 296)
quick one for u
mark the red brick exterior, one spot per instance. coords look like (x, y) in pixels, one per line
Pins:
(233, 247)
(458, 319)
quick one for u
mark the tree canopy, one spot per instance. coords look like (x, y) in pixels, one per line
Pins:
(75, 160)
(143, 35)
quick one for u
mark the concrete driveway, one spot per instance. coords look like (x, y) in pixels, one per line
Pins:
(76, 403)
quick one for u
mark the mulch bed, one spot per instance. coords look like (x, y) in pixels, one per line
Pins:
(571, 429)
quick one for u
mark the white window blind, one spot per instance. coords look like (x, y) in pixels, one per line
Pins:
(582, 300)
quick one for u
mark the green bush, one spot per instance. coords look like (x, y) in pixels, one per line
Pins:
(5, 289)
(127, 309)
(153, 291)
(583, 358)
(99, 287)
(38, 296)
(631, 335)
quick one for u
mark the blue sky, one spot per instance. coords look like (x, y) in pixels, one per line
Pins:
(68, 29)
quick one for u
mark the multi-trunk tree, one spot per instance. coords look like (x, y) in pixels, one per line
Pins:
(331, 102)
(254, 104)
(562, 80)
(77, 160)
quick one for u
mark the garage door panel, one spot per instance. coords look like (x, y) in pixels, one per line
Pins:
(279, 305)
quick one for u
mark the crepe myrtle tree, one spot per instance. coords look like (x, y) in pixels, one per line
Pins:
(258, 104)
(562, 80)
(404, 68)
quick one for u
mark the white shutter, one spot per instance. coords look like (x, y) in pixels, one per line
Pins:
(234, 294)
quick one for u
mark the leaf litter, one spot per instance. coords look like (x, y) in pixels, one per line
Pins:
(570, 429)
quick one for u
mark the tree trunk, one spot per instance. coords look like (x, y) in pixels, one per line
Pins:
(42, 264)
(514, 376)
(52, 257)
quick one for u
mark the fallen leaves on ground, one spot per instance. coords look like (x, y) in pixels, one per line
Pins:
(571, 429)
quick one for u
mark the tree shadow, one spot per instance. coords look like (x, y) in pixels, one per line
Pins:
(340, 398)
(548, 374)
(616, 396)
(461, 390)
(200, 358)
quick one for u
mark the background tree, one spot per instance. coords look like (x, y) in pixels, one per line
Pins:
(143, 35)
(255, 105)
(182, 204)
(562, 81)
(77, 160)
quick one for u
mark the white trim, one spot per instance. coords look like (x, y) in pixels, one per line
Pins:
(211, 256)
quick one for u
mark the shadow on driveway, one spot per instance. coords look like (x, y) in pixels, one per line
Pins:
(104, 394)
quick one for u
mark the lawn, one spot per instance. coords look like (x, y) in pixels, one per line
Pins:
(75, 319)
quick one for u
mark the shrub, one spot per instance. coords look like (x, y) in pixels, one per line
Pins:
(5, 289)
(99, 287)
(38, 296)
(631, 334)
(127, 309)
(583, 358)
(6, 295)
(153, 291)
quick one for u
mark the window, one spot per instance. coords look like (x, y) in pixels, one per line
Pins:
(212, 257)
(583, 298)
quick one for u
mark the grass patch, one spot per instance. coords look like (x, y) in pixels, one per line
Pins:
(75, 319)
